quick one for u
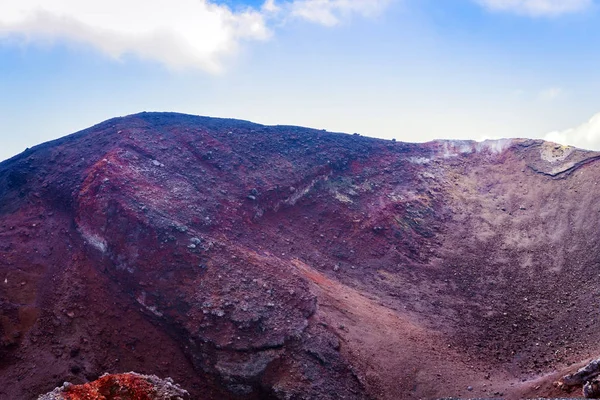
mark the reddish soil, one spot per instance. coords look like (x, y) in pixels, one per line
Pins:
(248, 261)
(128, 386)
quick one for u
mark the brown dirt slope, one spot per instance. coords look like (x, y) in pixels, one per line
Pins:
(249, 261)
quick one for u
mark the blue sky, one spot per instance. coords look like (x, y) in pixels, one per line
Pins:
(414, 70)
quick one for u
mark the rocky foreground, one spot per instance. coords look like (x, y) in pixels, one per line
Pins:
(275, 262)
(128, 386)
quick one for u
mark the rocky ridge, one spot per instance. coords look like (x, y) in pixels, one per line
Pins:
(249, 261)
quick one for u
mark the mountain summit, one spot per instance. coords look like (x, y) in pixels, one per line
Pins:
(278, 262)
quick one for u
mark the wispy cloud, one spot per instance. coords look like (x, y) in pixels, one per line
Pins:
(537, 8)
(178, 33)
(331, 12)
(550, 94)
(585, 136)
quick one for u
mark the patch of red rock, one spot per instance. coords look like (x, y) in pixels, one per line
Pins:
(128, 386)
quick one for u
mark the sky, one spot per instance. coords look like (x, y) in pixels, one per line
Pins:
(413, 70)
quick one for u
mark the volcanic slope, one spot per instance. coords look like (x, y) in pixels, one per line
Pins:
(277, 262)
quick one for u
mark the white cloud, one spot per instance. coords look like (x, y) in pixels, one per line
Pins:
(537, 8)
(182, 33)
(331, 12)
(585, 136)
(177, 33)
(550, 94)
(270, 6)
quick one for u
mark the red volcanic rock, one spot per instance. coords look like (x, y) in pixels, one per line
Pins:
(129, 386)
(276, 262)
